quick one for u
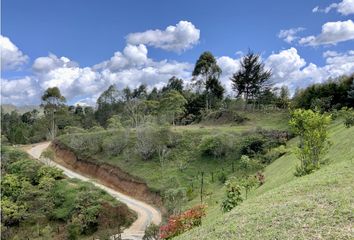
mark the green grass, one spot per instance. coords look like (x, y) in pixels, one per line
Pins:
(316, 206)
(170, 176)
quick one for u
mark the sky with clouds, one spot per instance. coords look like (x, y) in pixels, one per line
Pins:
(84, 46)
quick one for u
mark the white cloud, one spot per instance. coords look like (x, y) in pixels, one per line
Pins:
(11, 57)
(228, 66)
(345, 7)
(292, 70)
(332, 33)
(289, 35)
(174, 38)
(19, 91)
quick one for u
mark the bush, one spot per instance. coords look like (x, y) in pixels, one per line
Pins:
(26, 169)
(146, 138)
(87, 143)
(179, 224)
(174, 199)
(52, 172)
(312, 130)
(252, 144)
(216, 145)
(222, 177)
(348, 115)
(233, 195)
(114, 145)
(72, 130)
(260, 177)
(245, 162)
(151, 232)
(223, 116)
(273, 154)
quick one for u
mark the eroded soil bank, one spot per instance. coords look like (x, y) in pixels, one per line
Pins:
(109, 175)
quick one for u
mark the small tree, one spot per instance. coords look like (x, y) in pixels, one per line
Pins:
(233, 195)
(311, 127)
(249, 183)
(174, 199)
(348, 115)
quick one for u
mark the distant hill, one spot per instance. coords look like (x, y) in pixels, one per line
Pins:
(7, 108)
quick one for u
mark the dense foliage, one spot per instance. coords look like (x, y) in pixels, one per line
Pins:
(37, 202)
(177, 224)
(311, 127)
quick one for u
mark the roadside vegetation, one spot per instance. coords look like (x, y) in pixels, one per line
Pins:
(37, 202)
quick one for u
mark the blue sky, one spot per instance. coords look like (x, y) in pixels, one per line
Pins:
(87, 33)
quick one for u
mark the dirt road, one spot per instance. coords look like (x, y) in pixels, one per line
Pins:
(146, 213)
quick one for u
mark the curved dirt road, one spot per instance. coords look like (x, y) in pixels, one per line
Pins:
(146, 213)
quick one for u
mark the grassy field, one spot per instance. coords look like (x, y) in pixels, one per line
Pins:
(185, 163)
(316, 206)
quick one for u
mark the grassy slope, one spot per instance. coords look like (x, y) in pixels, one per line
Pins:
(317, 206)
(172, 177)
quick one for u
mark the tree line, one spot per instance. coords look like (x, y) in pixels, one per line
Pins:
(176, 102)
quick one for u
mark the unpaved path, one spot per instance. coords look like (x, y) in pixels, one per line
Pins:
(146, 213)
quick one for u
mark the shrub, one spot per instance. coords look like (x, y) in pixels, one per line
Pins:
(25, 169)
(348, 115)
(114, 122)
(87, 143)
(146, 141)
(223, 116)
(252, 144)
(52, 172)
(151, 232)
(233, 195)
(178, 224)
(249, 183)
(114, 145)
(174, 199)
(273, 154)
(312, 130)
(260, 177)
(245, 162)
(216, 145)
(72, 130)
(222, 177)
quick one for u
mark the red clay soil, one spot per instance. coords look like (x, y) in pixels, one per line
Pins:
(109, 175)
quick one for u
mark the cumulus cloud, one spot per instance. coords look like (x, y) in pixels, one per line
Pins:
(292, 70)
(11, 57)
(332, 33)
(228, 66)
(72, 80)
(345, 7)
(174, 38)
(19, 91)
(289, 35)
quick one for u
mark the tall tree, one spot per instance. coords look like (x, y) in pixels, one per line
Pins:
(107, 103)
(251, 78)
(206, 68)
(215, 91)
(52, 100)
(284, 97)
(174, 83)
(173, 103)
